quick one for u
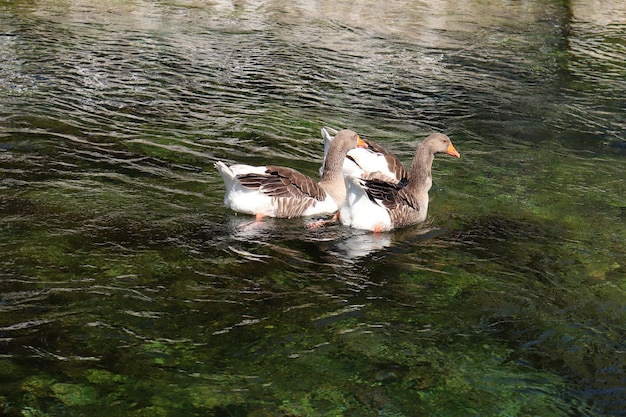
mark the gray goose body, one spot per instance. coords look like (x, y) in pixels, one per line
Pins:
(378, 202)
(284, 192)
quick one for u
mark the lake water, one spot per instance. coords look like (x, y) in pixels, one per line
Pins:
(128, 289)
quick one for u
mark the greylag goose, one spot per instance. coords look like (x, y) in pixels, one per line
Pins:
(277, 191)
(373, 158)
(380, 203)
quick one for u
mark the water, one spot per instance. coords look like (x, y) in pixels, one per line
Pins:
(127, 289)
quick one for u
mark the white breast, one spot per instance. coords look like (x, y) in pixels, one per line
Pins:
(360, 212)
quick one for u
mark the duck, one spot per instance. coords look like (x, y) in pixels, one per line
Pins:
(283, 192)
(378, 202)
(373, 158)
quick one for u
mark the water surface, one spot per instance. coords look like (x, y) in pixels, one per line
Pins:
(127, 289)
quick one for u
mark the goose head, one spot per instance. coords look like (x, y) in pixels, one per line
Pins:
(440, 143)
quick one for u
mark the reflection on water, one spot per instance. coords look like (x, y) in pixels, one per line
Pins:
(361, 244)
(127, 287)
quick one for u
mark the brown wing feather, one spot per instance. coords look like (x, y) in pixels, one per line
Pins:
(391, 195)
(283, 182)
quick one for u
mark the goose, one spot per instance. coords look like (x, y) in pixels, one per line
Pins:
(379, 203)
(283, 192)
(373, 158)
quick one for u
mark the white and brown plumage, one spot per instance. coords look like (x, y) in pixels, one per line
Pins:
(277, 191)
(373, 158)
(377, 202)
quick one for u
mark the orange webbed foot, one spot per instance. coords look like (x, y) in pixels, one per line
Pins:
(258, 220)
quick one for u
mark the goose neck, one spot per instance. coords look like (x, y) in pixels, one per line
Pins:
(420, 175)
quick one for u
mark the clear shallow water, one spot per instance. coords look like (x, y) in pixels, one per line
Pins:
(128, 289)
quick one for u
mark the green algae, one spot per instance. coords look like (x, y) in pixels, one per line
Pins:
(74, 394)
(69, 394)
(209, 397)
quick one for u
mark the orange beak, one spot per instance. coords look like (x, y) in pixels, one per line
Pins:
(360, 143)
(452, 151)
